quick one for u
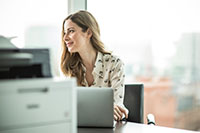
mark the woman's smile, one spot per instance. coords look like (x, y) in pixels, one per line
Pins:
(69, 44)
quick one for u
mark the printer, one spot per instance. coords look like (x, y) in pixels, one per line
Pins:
(43, 105)
(24, 63)
(31, 101)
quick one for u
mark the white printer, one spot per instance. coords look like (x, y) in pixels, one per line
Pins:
(42, 105)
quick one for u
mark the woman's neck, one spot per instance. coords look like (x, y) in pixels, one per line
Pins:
(88, 57)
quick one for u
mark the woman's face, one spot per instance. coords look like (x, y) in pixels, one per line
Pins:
(74, 38)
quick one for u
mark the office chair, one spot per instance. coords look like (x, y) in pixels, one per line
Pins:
(134, 102)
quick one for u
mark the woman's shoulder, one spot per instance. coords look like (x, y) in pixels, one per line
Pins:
(111, 58)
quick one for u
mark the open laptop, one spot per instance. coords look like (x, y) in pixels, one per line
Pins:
(95, 107)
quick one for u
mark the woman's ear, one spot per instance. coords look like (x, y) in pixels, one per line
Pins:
(89, 33)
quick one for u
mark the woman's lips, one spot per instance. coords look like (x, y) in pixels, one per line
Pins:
(69, 44)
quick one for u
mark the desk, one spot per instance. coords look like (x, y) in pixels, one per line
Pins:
(129, 127)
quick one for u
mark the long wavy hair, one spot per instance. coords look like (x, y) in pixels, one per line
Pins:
(71, 63)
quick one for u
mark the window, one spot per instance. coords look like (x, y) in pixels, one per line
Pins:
(34, 24)
(159, 42)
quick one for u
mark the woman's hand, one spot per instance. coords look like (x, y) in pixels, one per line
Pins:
(119, 113)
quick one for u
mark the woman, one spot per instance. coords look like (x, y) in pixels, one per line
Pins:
(84, 57)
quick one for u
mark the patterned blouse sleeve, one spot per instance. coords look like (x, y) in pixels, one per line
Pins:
(117, 82)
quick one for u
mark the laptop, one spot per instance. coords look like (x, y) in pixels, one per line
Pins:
(95, 107)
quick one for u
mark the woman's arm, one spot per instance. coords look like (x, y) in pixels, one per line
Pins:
(117, 83)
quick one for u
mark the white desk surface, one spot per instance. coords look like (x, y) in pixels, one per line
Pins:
(129, 127)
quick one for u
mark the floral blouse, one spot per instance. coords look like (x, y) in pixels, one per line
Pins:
(109, 72)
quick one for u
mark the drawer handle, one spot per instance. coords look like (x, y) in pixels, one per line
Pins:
(33, 90)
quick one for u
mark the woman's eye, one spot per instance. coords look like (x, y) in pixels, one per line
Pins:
(71, 31)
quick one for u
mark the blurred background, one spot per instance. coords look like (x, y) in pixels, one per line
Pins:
(158, 40)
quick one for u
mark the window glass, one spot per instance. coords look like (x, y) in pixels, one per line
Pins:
(34, 24)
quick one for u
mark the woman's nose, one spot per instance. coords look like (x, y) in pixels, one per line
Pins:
(66, 37)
